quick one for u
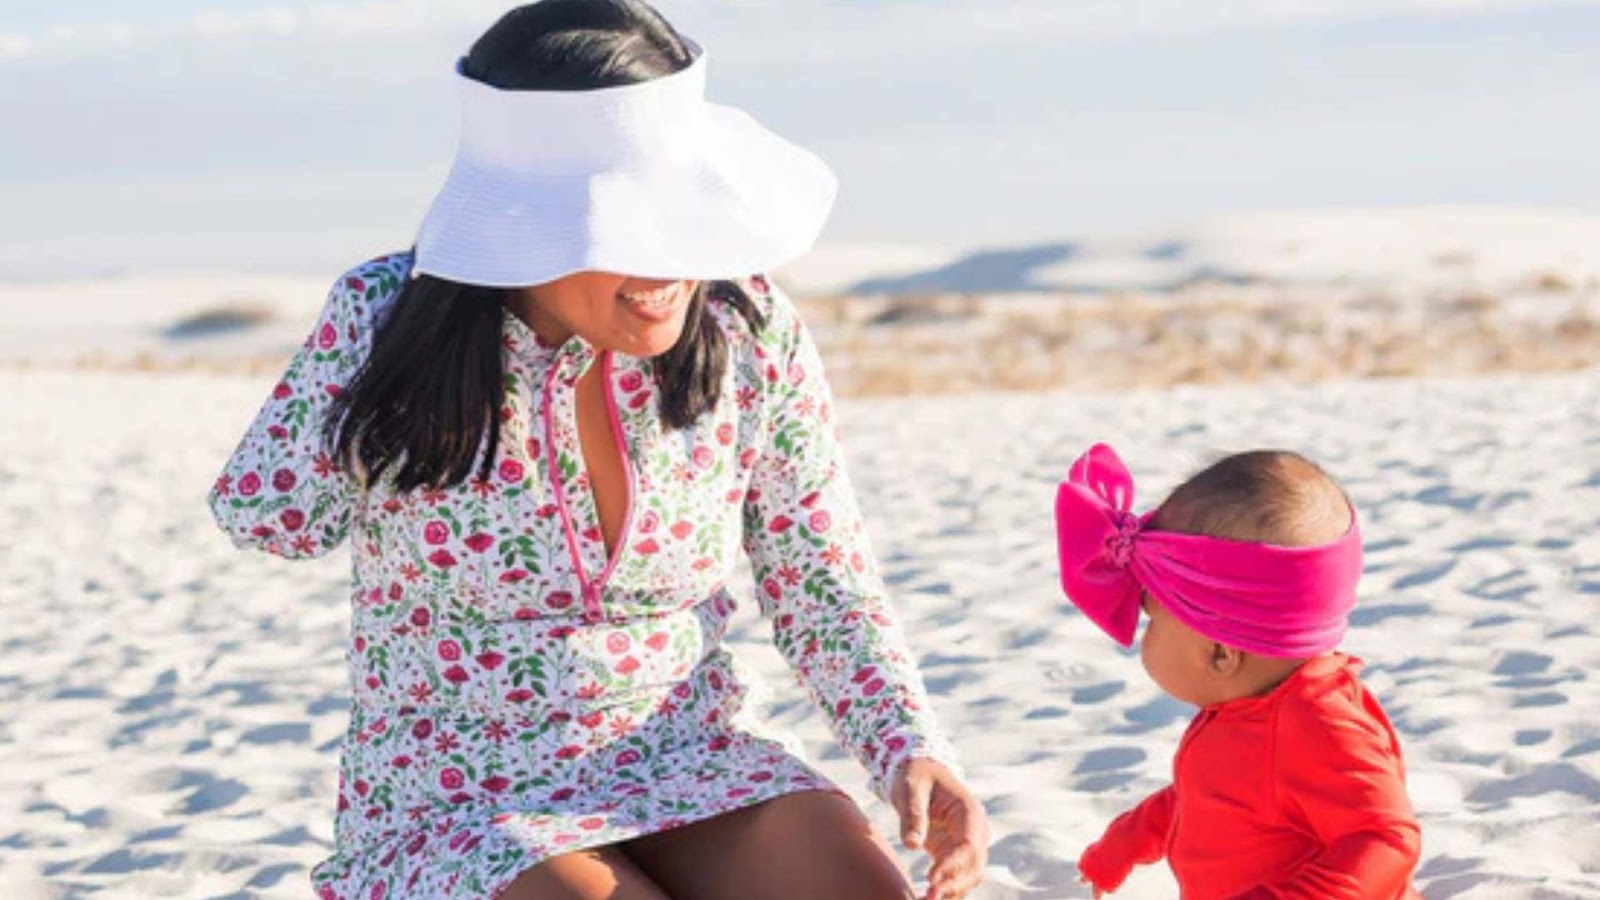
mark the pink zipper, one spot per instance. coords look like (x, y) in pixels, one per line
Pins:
(593, 591)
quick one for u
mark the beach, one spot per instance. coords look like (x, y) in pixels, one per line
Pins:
(170, 707)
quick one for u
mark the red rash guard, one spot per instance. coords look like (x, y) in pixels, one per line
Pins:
(1296, 794)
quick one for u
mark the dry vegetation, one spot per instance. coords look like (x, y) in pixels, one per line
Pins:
(1206, 334)
(1202, 335)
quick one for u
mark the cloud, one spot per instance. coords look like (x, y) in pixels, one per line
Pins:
(810, 29)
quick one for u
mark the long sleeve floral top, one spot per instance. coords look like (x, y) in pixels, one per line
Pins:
(520, 692)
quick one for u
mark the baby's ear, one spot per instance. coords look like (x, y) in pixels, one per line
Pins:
(1225, 661)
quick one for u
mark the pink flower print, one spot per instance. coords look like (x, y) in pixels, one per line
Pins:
(401, 762)
(362, 787)
(449, 650)
(327, 336)
(856, 562)
(282, 391)
(456, 675)
(631, 381)
(773, 589)
(647, 547)
(531, 445)
(559, 600)
(725, 434)
(703, 457)
(283, 481)
(840, 708)
(395, 590)
(249, 484)
(637, 401)
(512, 576)
(480, 542)
(436, 532)
(748, 457)
(546, 511)
(511, 470)
(761, 777)
(715, 680)
(519, 695)
(682, 530)
(442, 558)
(495, 784)
(628, 757)
(593, 823)
(490, 660)
(277, 432)
(591, 534)
(415, 845)
(719, 744)
(649, 522)
(628, 666)
(571, 751)
(656, 642)
(591, 720)
(562, 795)
(523, 613)
(895, 744)
(736, 793)
(873, 687)
(780, 524)
(617, 643)
(378, 891)
(810, 500)
(864, 674)
(452, 779)
(292, 519)
(820, 521)
(420, 617)
(760, 285)
(422, 729)
(356, 284)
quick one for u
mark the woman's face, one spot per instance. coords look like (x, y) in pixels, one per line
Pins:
(640, 317)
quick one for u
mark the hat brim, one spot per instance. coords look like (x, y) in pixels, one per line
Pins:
(742, 201)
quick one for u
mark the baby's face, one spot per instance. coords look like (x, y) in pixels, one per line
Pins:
(1178, 658)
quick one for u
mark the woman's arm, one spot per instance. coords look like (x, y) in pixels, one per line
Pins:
(280, 491)
(815, 571)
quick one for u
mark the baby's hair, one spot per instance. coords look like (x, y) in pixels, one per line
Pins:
(1265, 496)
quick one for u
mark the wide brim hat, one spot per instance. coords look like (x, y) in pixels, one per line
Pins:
(647, 180)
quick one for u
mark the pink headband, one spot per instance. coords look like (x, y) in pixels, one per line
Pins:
(1287, 602)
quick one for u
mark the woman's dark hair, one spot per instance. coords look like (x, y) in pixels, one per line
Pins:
(427, 399)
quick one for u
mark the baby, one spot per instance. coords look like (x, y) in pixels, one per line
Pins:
(1289, 782)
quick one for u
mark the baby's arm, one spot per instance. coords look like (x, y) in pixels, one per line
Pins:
(1137, 837)
(1340, 774)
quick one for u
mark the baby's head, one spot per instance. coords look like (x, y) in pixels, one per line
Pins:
(1261, 497)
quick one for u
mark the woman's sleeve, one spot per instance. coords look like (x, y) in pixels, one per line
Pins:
(1137, 837)
(280, 491)
(1340, 774)
(814, 567)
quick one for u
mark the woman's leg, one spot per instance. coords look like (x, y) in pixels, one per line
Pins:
(807, 846)
(603, 873)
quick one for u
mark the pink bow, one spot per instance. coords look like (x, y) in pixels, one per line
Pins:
(1288, 602)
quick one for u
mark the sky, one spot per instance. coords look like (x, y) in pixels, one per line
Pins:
(168, 135)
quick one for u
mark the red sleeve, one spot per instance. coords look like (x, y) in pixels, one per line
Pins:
(1137, 837)
(1340, 774)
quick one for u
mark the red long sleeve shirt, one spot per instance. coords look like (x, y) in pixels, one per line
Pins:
(1296, 794)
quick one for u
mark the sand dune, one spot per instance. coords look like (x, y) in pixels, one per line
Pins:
(169, 707)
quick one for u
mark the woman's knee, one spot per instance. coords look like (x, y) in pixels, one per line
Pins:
(604, 873)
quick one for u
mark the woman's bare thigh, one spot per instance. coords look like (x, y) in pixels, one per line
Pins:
(604, 873)
(807, 846)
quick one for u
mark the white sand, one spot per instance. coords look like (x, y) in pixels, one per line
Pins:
(169, 707)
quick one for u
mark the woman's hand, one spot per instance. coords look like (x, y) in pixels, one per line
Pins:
(939, 814)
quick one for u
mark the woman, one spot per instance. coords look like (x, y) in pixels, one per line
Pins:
(547, 469)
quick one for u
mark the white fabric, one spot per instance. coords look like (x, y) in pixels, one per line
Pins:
(647, 180)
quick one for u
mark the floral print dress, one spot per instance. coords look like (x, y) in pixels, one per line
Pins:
(519, 692)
